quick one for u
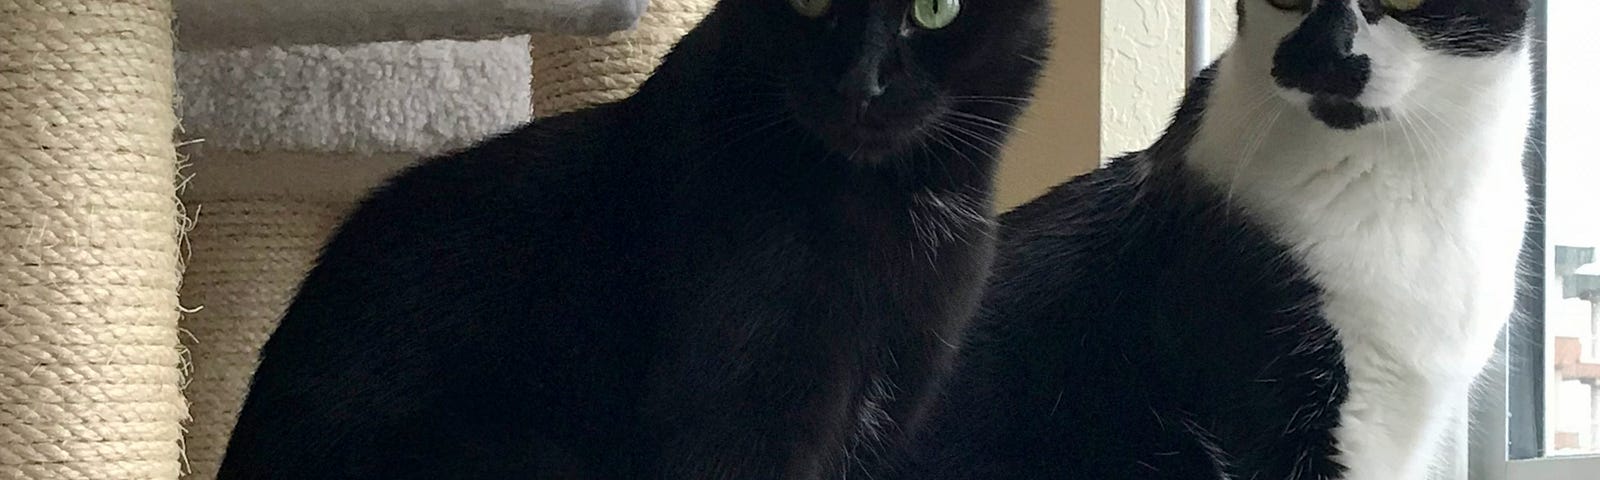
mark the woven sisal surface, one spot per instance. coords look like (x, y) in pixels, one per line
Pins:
(89, 358)
(571, 72)
(249, 255)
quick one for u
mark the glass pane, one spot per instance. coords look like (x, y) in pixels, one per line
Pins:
(1572, 308)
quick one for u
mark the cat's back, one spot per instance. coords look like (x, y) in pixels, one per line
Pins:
(1126, 306)
(482, 276)
(1055, 258)
(539, 205)
(1059, 246)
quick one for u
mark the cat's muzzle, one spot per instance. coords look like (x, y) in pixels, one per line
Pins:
(1343, 114)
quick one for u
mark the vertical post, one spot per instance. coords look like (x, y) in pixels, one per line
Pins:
(1594, 416)
(1593, 347)
(89, 359)
(1594, 385)
(1197, 37)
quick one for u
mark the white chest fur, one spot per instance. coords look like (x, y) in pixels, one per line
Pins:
(1412, 226)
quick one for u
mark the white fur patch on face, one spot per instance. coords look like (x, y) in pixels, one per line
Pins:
(1398, 59)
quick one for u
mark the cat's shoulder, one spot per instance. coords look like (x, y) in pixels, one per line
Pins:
(538, 182)
(1087, 207)
(551, 153)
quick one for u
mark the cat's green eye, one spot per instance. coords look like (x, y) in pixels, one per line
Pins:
(811, 8)
(1296, 5)
(935, 14)
(1403, 5)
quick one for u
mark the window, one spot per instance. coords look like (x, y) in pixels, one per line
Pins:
(1538, 414)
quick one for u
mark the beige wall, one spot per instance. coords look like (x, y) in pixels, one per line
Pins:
(1114, 76)
(1059, 136)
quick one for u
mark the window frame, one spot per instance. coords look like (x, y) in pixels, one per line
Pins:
(1507, 421)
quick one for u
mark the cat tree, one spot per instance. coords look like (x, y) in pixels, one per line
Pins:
(99, 377)
(89, 260)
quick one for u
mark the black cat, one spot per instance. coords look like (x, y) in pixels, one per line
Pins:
(748, 270)
(1298, 281)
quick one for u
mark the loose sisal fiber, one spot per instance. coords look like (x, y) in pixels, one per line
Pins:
(572, 72)
(249, 255)
(89, 262)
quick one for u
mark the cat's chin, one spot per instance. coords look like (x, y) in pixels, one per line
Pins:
(874, 145)
(879, 132)
(861, 142)
(1341, 114)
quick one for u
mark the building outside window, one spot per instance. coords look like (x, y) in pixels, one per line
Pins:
(1538, 415)
(1572, 228)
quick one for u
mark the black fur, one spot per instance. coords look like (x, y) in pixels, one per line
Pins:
(1138, 327)
(1317, 58)
(1470, 28)
(738, 273)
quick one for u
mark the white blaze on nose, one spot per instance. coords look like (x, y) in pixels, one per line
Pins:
(1395, 56)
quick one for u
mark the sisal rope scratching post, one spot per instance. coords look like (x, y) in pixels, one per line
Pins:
(572, 72)
(249, 254)
(89, 265)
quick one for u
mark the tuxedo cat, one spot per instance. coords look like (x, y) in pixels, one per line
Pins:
(751, 269)
(1299, 280)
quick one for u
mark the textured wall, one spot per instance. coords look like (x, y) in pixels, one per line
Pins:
(1142, 67)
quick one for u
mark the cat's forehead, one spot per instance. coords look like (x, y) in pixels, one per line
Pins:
(1446, 7)
(857, 5)
(1402, 7)
(1463, 27)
